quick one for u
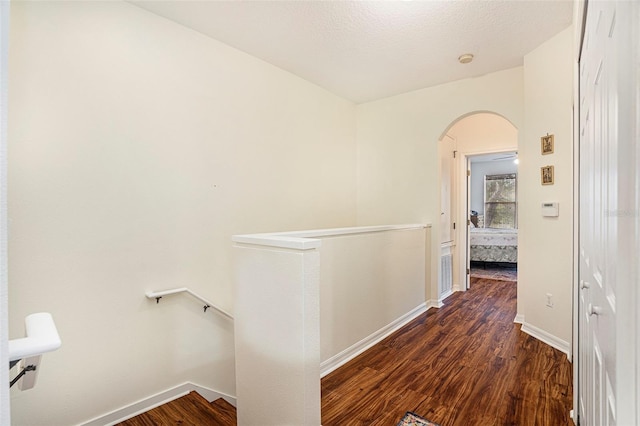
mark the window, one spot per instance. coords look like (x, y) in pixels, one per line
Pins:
(500, 208)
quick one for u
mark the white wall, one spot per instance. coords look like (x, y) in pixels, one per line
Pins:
(474, 134)
(398, 177)
(4, 293)
(545, 244)
(481, 169)
(137, 148)
(368, 281)
(398, 167)
(482, 132)
(346, 289)
(277, 334)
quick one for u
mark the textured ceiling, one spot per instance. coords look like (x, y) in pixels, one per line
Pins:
(366, 50)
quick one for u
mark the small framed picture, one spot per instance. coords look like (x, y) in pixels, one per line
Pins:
(546, 144)
(546, 175)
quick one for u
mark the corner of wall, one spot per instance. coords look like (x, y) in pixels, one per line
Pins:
(545, 244)
(153, 401)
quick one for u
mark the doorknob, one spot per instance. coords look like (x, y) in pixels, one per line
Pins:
(584, 284)
(594, 310)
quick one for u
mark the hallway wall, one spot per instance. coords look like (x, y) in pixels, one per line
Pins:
(398, 170)
(137, 148)
(547, 243)
(398, 178)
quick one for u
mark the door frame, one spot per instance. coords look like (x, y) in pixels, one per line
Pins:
(462, 217)
(580, 13)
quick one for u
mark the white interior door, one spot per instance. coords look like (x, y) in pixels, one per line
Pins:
(467, 223)
(447, 148)
(598, 190)
(447, 217)
(462, 208)
(608, 227)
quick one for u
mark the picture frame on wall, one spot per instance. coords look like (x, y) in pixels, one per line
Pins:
(546, 175)
(546, 144)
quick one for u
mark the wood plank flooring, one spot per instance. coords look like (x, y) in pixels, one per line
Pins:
(189, 410)
(466, 363)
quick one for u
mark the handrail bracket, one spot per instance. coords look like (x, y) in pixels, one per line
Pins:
(158, 295)
(22, 373)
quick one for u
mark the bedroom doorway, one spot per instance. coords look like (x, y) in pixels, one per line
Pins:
(493, 213)
(470, 137)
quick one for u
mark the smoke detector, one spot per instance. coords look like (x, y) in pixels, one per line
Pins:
(466, 58)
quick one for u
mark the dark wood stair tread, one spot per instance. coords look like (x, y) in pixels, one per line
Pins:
(189, 410)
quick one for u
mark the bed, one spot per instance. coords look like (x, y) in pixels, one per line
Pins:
(494, 245)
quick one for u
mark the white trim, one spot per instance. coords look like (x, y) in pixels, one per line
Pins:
(308, 240)
(547, 338)
(462, 236)
(578, 19)
(579, 14)
(433, 303)
(156, 400)
(356, 349)
(519, 319)
(211, 395)
(443, 297)
(5, 415)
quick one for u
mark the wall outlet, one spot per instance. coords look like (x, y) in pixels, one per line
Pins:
(550, 300)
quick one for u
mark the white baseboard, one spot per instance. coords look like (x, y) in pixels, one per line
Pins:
(434, 303)
(547, 338)
(519, 319)
(156, 400)
(443, 297)
(356, 349)
(211, 395)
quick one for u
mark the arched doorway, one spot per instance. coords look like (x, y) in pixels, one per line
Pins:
(471, 136)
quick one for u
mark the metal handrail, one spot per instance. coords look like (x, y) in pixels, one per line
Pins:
(160, 294)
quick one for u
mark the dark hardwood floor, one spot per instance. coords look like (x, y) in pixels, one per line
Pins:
(189, 410)
(466, 363)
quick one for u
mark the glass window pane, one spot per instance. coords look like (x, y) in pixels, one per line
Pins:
(500, 188)
(500, 201)
(500, 215)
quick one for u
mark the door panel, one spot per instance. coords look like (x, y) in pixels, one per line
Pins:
(596, 309)
(599, 202)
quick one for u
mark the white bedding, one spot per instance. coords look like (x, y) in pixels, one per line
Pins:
(494, 237)
(494, 245)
